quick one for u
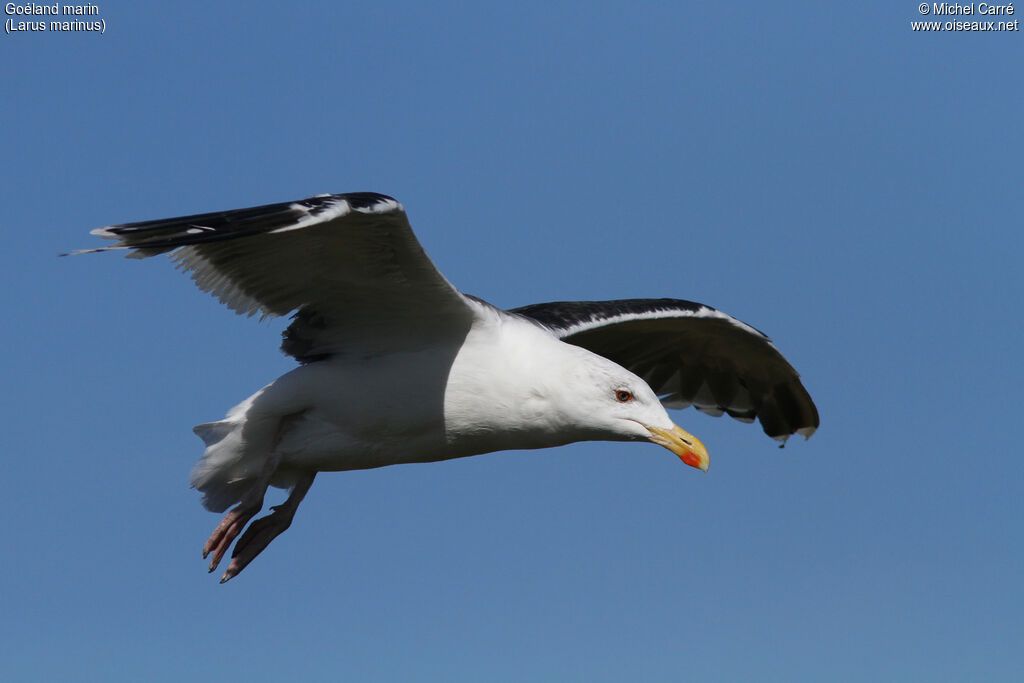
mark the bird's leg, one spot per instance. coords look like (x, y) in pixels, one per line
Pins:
(233, 522)
(265, 529)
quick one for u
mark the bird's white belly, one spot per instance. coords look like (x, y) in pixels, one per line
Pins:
(316, 440)
(340, 415)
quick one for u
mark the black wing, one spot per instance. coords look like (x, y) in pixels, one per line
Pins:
(689, 353)
(349, 264)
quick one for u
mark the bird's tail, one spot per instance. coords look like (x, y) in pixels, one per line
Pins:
(223, 474)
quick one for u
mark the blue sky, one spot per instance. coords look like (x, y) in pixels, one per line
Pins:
(824, 173)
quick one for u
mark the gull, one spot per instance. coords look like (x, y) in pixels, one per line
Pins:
(398, 366)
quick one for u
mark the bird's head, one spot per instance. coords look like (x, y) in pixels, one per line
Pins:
(621, 406)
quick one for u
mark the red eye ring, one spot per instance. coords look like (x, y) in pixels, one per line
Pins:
(623, 396)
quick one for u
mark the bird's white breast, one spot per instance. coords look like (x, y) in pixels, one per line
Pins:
(501, 390)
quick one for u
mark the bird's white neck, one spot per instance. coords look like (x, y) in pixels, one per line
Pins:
(516, 404)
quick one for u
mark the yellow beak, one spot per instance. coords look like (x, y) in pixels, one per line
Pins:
(688, 447)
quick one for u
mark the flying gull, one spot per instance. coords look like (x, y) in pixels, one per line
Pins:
(398, 366)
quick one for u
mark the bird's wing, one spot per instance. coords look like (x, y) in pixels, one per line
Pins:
(690, 354)
(349, 265)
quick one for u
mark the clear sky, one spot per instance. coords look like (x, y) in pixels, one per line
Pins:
(821, 171)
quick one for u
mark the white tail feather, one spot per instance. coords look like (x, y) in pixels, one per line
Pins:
(222, 475)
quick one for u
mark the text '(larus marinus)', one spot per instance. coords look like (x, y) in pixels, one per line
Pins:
(398, 366)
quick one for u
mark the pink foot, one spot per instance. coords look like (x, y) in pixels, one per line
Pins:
(265, 529)
(257, 537)
(226, 532)
(260, 533)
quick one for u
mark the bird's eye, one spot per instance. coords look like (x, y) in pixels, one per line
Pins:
(623, 396)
